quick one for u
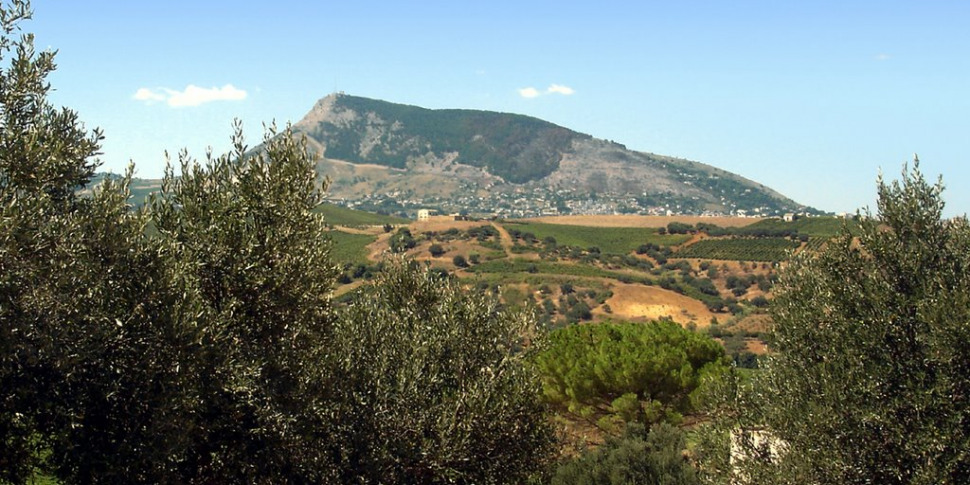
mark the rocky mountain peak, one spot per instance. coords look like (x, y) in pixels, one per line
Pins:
(326, 109)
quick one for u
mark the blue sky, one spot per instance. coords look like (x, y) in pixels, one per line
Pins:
(812, 99)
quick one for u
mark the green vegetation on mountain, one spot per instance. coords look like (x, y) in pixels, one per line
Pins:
(515, 147)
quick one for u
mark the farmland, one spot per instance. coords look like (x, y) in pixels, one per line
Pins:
(615, 240)
(573, 273)
(710, 274)
(349, 248)
(506, 266)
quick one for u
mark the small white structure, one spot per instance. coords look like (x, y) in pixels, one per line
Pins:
(425, 214)
(753, 440)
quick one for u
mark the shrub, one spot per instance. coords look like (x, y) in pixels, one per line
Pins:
(637, 456)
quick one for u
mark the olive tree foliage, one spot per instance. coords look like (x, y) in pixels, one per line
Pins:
(178, 343)
(44, 150)
(436, 385)
(78, 293)
(240, 234)
(868, 381)
(126, 358)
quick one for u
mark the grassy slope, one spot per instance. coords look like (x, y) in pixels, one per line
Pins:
(743, 249)
(518, 148)
(342, 216)
(813, 226)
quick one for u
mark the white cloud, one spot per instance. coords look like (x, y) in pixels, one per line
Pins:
(191, 96)
(531, 92)
(560, 89)
(883, 57)
(145, 94)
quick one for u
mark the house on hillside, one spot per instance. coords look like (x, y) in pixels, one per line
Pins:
(425, 214)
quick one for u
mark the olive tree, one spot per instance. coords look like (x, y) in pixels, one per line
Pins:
(174, 343)
(89, 338)
(240, 235)
(436, 385)
(868, 378)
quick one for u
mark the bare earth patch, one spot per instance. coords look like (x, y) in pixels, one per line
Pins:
(639, 303)
(443, 223)
(756, 346)
(758, 322)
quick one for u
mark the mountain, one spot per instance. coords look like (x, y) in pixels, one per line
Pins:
(397, 158)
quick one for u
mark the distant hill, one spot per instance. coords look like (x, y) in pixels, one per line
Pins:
(401, 157)
(140, 188)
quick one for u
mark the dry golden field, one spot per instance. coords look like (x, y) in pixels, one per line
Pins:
(643, 221)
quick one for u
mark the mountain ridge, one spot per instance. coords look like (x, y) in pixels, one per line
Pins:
(400, 157)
